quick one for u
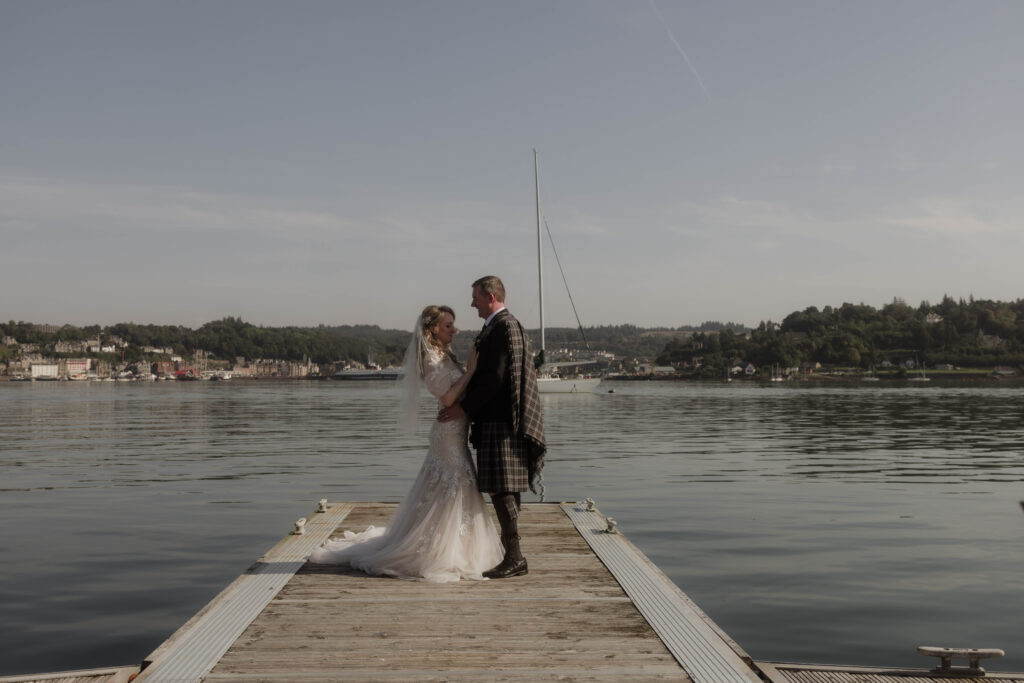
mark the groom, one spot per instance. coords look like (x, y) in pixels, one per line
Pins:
(504, 408)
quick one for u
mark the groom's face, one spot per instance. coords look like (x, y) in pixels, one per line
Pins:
(481, 302)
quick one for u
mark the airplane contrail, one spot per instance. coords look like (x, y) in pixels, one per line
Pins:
(679, 47)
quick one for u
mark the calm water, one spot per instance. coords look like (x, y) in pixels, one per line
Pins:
(837, 525)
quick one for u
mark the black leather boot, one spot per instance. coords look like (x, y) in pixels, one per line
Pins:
(513, 564)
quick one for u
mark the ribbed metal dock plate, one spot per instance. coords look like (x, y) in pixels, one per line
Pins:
(696, 645)
(196, 648)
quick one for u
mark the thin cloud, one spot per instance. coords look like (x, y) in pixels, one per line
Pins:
(943, 216)
(679, 48)
(138, 211)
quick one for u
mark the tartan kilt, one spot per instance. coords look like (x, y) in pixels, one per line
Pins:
(501, 458)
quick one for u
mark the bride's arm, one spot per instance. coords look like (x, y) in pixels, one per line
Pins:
(453, 394)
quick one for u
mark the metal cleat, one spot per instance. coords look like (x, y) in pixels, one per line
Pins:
(946, 655)
(323, 505)
(300, 527)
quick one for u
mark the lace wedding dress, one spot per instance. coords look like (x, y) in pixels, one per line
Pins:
(441, 531)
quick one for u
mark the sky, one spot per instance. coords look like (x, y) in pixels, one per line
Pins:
(305, 163)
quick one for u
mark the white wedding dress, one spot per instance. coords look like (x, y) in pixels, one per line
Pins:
(441, 531)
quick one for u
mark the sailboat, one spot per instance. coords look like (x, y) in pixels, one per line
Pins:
(922, 377)
(547, 382)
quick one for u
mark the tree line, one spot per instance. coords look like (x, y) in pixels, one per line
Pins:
(230, 338)
(970, 334)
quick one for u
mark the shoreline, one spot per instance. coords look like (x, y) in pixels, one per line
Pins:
(941, 377)
(937, 377)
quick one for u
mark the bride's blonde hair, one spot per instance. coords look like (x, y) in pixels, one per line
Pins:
(429, 319)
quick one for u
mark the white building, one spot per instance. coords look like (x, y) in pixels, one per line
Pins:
(44, 370)
(166, 350)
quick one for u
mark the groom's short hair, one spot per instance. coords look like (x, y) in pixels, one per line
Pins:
(491, 284)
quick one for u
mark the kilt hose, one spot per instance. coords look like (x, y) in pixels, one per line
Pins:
(501, 459)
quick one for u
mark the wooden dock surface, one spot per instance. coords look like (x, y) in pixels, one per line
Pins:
(568, 619)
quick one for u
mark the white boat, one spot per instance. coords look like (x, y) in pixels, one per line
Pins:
(548, 382)
(372, 374)
(922, 377)
(777, 375)
(870, 377)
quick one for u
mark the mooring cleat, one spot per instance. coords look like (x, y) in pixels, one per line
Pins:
(971, 654)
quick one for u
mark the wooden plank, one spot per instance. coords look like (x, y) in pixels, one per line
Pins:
(116, 674)
(196, 647)
(567, 618)
(706, 654)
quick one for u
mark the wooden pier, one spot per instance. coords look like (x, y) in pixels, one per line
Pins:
(567, 619)
(592, 608)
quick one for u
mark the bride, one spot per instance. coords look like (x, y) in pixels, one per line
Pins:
(441, 531)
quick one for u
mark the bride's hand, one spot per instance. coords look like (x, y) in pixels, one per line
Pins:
(471, 363)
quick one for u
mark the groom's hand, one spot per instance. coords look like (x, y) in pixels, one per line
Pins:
(452, 412)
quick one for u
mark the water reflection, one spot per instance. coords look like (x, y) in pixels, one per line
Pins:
(802, 519)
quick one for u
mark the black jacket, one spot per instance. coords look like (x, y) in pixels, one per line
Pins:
(489, 394)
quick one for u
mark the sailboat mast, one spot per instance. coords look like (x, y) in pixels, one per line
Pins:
(540, 250)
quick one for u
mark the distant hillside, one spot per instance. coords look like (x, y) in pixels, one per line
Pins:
(627, 341)
(231, 337)
(961, 333)
(969, 334)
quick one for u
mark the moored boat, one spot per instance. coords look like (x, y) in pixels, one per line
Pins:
(567, 385)
(374, 374)
(548, 382)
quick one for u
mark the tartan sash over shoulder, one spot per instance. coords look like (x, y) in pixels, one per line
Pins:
(527, 421)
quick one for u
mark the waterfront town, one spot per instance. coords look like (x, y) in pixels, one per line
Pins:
(953, 339)
(93, 359)
(111, 358)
